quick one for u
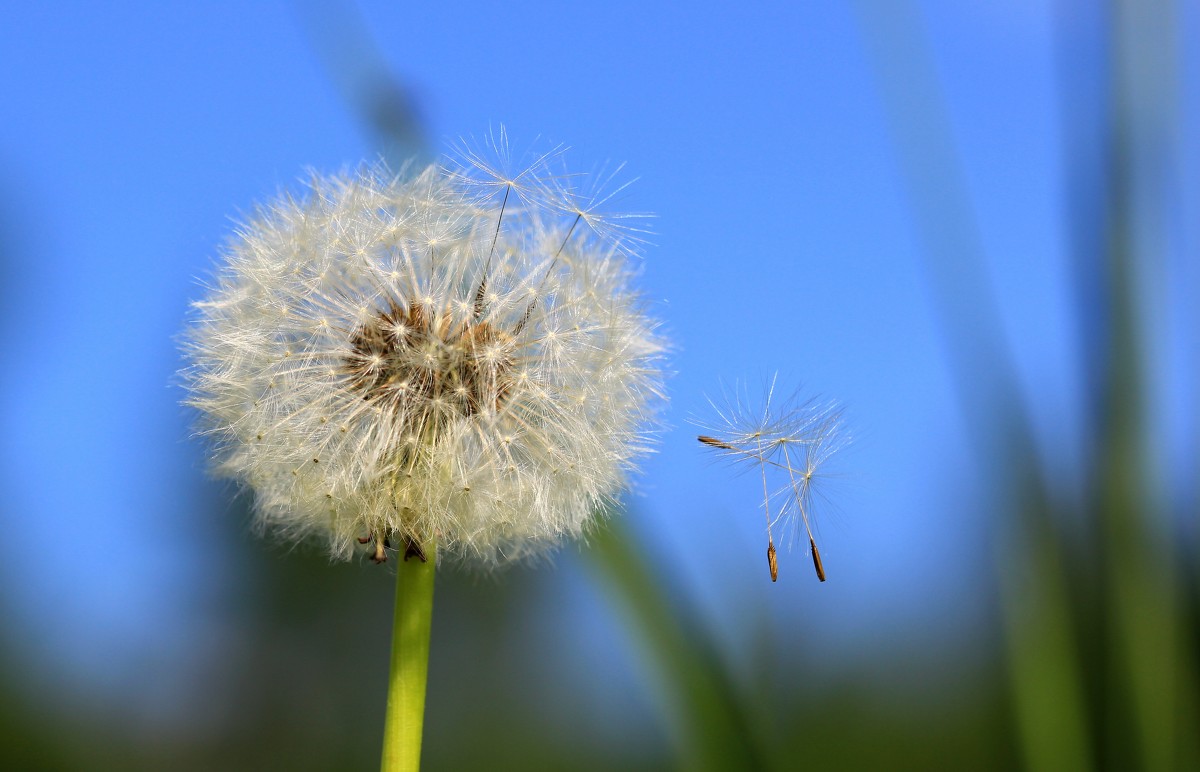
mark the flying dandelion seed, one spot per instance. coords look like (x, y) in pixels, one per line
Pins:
(788, 441)
(454, 356)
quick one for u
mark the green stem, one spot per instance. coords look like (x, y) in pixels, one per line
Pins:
(410, 663)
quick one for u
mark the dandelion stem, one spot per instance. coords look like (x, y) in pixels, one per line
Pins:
(410, 661)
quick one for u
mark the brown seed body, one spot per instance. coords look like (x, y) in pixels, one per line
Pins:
(714, 442)
(817, 559)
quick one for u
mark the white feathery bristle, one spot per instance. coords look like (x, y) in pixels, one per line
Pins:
(446, 357)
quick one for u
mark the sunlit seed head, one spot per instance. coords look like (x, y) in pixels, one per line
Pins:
(386, 360)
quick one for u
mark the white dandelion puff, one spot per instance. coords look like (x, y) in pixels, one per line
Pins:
(395, 360)
(790, 442)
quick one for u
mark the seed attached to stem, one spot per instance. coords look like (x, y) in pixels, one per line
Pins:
(413, 549)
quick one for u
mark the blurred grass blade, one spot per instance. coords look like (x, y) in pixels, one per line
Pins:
(385, 105)
(1039, 626)
(712, 730)
(1043, 659)
(1149, 677)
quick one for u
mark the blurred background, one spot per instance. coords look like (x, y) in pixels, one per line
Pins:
(974, 224)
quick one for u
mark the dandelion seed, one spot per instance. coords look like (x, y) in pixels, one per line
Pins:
(714, 442)
(816, 556)
(780, 436)
(447, 356)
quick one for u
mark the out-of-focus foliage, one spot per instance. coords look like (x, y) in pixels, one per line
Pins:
(1103, 654)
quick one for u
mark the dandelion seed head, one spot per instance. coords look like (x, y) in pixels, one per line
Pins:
(410, 359)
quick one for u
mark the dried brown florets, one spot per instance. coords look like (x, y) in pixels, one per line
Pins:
(405, 357)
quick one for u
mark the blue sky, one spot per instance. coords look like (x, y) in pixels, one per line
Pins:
(135, 133)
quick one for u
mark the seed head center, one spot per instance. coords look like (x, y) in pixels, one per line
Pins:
(430, 366)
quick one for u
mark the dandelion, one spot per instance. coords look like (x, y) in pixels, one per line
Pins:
(790, 439)
(449, 361)
(456, 356)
